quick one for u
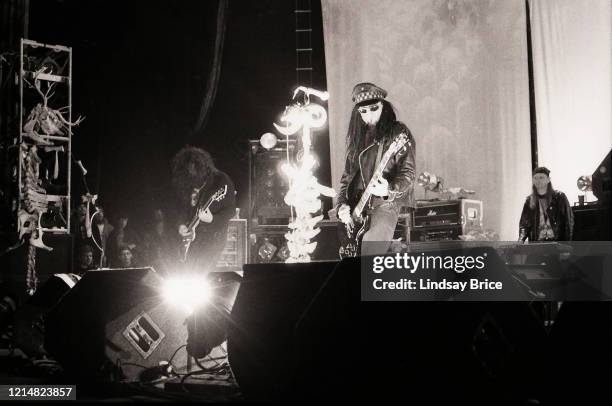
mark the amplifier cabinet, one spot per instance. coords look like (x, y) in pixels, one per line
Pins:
(445, 220)
(234, 254)
(435, 233)
(267, 184)
(592, 222)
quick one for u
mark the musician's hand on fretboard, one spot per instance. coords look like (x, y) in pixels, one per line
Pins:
(344, 213)
(205, 215)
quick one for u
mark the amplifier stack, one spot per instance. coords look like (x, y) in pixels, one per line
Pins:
(267, 184)
(445, 219)
(234, 254)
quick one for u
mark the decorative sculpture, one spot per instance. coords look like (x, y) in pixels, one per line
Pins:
(304, 188)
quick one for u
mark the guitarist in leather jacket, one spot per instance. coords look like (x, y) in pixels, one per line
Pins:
(195, 179)
(372, 128)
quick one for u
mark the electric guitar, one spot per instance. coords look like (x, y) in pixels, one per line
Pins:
(353, 231)
(195, 221)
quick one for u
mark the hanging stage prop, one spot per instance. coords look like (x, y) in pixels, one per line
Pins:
(304, 188)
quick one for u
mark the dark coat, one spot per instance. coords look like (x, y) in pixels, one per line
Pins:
(400, 172)
(560, 215)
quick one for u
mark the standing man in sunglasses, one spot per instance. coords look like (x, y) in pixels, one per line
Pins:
(372, 128)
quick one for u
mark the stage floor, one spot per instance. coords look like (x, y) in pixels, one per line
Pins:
(16, 369)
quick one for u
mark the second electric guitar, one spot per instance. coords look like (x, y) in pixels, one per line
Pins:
(195, 221)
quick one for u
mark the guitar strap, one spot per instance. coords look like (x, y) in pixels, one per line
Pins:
(378, 158)
(379, 154)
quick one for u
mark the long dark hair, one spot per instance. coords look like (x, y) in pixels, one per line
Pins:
(355, 138)
(533, 198)
(191, 167)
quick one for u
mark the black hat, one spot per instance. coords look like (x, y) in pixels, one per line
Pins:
(367, 91)
(542, 169)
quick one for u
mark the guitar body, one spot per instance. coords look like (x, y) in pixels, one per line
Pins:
(184, 248)
(350, 237)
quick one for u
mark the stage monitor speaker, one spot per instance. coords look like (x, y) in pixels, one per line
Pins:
(270, 301)
(340, 347)
(115, 325)
(477, 351)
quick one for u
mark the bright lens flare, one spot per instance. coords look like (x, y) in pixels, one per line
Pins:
(189, 293)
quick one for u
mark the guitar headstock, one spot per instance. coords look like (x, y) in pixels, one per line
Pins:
(219, 194)
(398, 143)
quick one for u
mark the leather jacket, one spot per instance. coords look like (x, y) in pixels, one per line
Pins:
(400, 171)
(560, 215)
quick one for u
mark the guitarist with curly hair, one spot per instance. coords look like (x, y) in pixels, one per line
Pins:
(209, 198)
(379, 174)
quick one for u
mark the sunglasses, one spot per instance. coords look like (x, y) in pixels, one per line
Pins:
(372, 108)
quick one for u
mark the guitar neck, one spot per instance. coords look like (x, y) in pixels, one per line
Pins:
(196, 219)
(365, 197)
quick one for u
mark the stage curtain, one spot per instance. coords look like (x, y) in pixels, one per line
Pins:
(457, 73)
(572, 70)
(215, 72)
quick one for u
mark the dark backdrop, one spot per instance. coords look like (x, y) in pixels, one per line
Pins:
(139, 76)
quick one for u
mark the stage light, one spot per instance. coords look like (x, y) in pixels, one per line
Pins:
(429, 181)
(268, 140)
(206, 330)
(188, 292)
(207, 327)
(585, 183)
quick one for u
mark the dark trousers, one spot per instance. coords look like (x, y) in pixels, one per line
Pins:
(383, 220)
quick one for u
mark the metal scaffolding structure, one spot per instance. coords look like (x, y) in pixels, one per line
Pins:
(45, 139)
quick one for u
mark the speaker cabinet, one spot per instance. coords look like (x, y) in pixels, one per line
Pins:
(261, 337)
(301, 331)
(267, 184)
(592, 222)
(115, 325)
